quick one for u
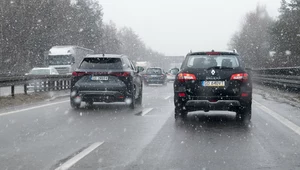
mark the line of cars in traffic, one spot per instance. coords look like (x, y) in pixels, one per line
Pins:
(206, 81)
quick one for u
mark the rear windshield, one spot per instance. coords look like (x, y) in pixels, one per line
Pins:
(154, 71)
(208, 61)
(101, 63)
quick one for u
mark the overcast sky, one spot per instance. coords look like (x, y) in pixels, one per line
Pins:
(174, 27)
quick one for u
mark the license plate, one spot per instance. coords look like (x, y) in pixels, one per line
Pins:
(99, 78)
(213, 83)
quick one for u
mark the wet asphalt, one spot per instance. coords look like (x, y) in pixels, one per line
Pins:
(46, 135)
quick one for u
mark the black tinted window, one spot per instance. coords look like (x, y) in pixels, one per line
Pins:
(101, 63)
(206, 61)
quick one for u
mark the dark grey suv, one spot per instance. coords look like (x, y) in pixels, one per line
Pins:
(106, 78)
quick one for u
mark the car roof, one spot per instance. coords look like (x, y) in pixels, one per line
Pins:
(213, 51)
(154, 67)
(104, 56)
(42, 68)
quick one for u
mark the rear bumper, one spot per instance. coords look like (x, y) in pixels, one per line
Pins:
(101, 96)
(194, 105)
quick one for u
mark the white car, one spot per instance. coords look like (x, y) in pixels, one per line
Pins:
(43, 71)
(38, 84)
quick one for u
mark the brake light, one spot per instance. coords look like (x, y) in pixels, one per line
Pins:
(213, 53)
(244, 94)
(183, 77)
(121, 74)
(240, 76)
(181, 94)
(77, 74)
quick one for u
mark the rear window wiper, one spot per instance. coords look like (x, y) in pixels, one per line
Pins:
(219, 67)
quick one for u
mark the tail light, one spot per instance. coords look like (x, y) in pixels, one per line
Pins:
(121, 74)
(183, 77)
(78, 74)
(244, 94)
(240, 76)
(181, 94)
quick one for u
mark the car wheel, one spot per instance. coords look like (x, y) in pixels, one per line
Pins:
(244, 115)
(74, 105)
(139, 100)
(180, 112)
(133, 100)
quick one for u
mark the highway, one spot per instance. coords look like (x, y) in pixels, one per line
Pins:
(52, 136)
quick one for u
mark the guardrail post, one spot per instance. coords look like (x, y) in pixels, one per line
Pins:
(49, 85)
(25, 88)
(65, 84)
(45, 85)
(13, 91)
(35, 86)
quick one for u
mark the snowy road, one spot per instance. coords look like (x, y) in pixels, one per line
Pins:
(50, 135)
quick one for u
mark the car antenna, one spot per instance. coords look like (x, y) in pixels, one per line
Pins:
(103, 55)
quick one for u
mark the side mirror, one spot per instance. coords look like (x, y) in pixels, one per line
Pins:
(140, 69)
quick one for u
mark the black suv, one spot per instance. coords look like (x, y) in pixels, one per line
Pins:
(106, 78)
(213, 81)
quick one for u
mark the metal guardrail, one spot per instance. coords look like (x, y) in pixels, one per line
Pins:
(37, 83)
(288, 77)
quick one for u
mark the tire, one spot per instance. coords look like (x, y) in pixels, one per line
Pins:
(244, 115)
(139, 100)
(180, 113)
(74, 105)
(133, 100)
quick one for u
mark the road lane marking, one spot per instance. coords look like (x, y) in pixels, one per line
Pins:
(280, 118)
(79, 156)
(31, 108)
(166, 98)
(146, 111)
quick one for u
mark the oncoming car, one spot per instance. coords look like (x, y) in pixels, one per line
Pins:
(40, 71)
(43, 71)
(213, 81)
(106, 78)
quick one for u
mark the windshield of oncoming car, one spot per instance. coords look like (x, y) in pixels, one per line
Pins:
(40, 72)
(208, 61)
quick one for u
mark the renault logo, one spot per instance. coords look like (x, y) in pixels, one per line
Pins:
(213, 72)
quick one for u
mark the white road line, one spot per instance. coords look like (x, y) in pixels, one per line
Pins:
(281, 119)
(166, 98)
(146, 111)
(79, 156)
(31, 108)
